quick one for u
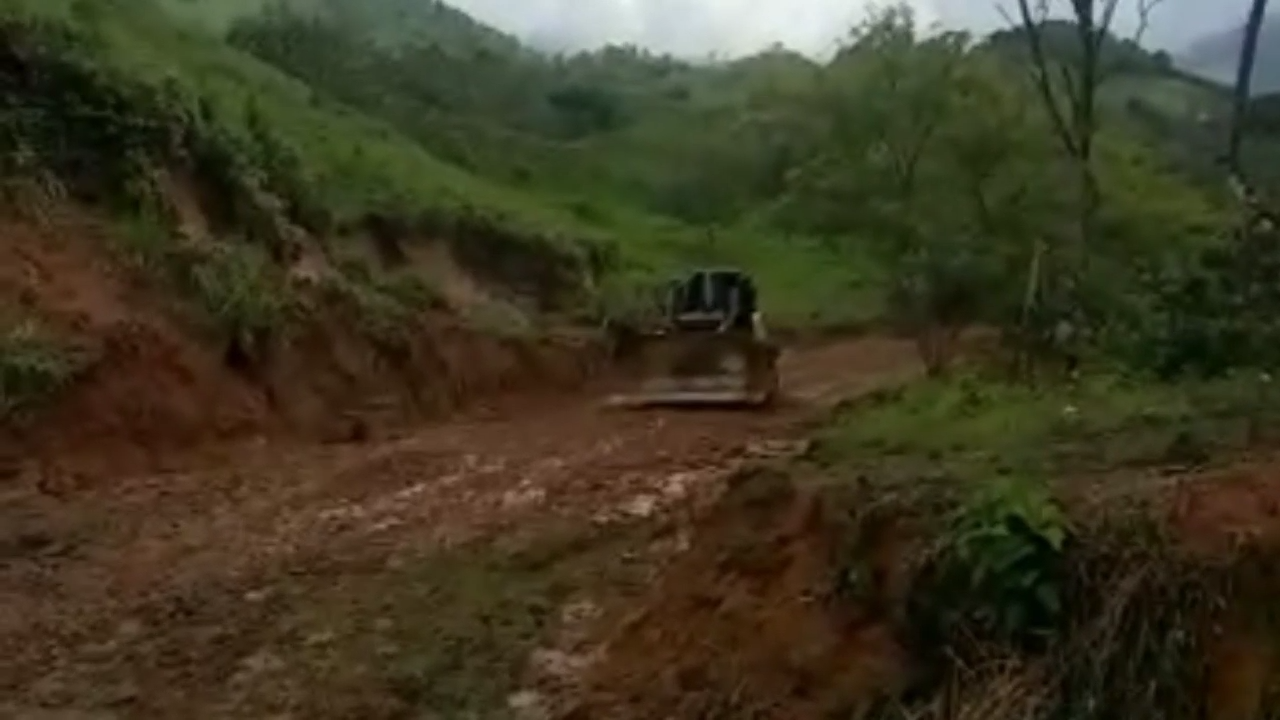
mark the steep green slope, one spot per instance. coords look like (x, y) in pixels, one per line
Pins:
(355, 163)
(1182, 109)
(390, 21)
(351, 165)
(619, 124)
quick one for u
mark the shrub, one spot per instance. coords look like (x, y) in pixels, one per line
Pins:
(241, 293)
(997, 574)
(385, 304)
(32, 369)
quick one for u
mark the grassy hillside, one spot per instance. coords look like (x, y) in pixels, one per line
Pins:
(1175, 104)
(631, 163)
(355, 163)
(391, 21)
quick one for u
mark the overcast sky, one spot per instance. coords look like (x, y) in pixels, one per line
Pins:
(734, 27)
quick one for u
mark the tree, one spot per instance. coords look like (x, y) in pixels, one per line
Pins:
(1068, 84)
(1241, 95)
(928, 148)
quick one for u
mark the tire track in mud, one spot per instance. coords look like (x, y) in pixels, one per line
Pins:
(142, 546)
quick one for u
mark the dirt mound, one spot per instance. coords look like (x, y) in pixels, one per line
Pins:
(747, 622)
(1228, 507)
(332, 382)
(809, 603)
(145, 384)
(148, 391)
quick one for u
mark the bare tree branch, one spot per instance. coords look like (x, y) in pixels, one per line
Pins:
(1145, 8)
(1243, 90)
(1076, 125)
(1032, 25)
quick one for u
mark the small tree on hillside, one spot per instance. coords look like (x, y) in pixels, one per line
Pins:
(925, 148)
(892, 103)
(1223, 311)
(1068, 86)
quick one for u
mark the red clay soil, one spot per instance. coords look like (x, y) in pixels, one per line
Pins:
(156, 387)
(1216, 515)
(171, 570)
(745, 624)
(1227, 508)
(148, 385)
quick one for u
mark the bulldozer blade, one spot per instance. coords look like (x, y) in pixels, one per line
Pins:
(690, 398)
(703, 369)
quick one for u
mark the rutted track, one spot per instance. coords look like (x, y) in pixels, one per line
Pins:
(148, 553)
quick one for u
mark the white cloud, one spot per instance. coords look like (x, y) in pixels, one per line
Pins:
(735, 27)
(681, 27)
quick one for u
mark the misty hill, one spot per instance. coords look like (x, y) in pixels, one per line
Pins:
(389, 21)
(1216, 56)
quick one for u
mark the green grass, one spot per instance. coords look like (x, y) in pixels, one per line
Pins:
(384, 303)
(973, 428)
(239, 292)
(213, 16)
(33, 368)
(356, 162)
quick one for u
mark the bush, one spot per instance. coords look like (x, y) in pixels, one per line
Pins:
(997, 575)
(385, 304)
(1118, 623)
(1217, 314)
(33, 368)
(240, 290)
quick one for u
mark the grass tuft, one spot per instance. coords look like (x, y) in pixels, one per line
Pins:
(33, 368)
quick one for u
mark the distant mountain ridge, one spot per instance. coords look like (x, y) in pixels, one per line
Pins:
(389, 21)
(1216, 57)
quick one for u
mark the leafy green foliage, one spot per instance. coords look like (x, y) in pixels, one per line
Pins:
(33, 368)
(1215, 315)
(1096, 614)
(240, 290)
(373, 136)
(1124, 607)
(385, 304)
(998, 574)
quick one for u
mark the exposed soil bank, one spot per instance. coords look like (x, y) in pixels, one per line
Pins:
(796, 602)
(154, 384)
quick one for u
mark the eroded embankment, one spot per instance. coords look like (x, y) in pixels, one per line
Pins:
(170, 278)
(149, 377)
(803, 602)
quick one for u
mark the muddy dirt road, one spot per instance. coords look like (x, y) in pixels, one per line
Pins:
(147, 592)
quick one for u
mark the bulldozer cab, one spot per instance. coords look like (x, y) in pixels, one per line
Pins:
(712, 299)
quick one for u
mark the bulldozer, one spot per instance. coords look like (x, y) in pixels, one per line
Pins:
(710, 347)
